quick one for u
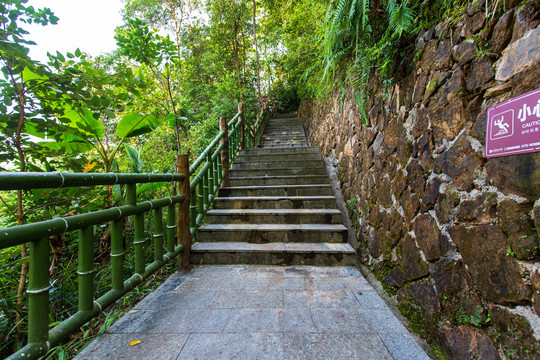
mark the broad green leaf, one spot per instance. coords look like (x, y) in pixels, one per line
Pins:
(29, 74)
(135, 124)
(170, 119)
(134, 157)
(83, 120)
(71, 144)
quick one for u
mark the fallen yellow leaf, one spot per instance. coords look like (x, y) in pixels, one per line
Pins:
(90, 166)
(135, 342)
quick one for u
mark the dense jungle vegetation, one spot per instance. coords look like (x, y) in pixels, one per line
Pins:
(179, 66)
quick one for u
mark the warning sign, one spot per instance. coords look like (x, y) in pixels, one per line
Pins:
(513, 127)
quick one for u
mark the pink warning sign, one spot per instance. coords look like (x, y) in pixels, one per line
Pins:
(513, 127)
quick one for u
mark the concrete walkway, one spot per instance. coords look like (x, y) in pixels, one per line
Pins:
(259, 312)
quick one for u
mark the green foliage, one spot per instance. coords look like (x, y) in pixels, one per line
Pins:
(138, 42)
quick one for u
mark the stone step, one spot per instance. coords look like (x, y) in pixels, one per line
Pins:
(286, 116)
(264, 233)
(281, 151)
(254, 165)
(273, 216)
(284, 136)
(278, 180)
(275, 202)
(320, 254)
(278, 171)
(245, 158)
(281, 143)
(266, 143)
(277, 190)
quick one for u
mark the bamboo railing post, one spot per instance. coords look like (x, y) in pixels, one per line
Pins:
(225, 151)
(138, 224)
(117, 255)
(183, 231)
(86, 269)
(158, 234)
(38, 292)
(210, 179)
(242, 122)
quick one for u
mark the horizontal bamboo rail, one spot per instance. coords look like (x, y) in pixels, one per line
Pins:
(198, 185)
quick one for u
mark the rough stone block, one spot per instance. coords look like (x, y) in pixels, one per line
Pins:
(428, 236)
(496, 275)
(519, 55)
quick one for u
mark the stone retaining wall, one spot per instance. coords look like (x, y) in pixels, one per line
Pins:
(451, 235)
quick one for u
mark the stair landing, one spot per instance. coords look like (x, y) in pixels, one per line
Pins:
(221, 312)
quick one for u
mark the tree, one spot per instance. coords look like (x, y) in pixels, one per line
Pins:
(24, 81)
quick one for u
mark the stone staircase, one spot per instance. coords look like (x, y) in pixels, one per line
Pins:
(278, 208)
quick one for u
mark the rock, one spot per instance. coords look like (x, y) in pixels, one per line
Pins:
(375, 218)
(416, 177)
(384, 193)
(536, 218)
(397, 230)
(447, 110)
(450, 277)
(395, 278)
(437, 55)
(422, 123)
(456, 291)
(516, 333)
(423, 143)
(464, 52)
(410, 204)
(443, 208)
(394, 132)
(410, 260)
(466, 342)
(519, 55)
(404, 150)
(524, 82)
(497, 90)
(373, 244)
(526, 19)
(474, 106)
(436, 80)
(419, 88)
(497, 276)
(431, 194)
(472, 24)
(516, 174)
(399, 183)
(478, 210)
(524, 247)
(460, 163)
(535, 282)
(423, 294)
(502, 32)
(513, 218)
(480, 74)
(428, 236)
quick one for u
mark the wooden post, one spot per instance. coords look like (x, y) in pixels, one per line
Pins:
(225, 151)
(183, 233)
(242, 135)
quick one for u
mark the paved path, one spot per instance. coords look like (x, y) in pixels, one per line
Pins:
(259, 312)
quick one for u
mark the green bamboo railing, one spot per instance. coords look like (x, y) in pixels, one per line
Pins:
(206, 176)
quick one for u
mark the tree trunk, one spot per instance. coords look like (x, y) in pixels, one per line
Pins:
(256, 49)
(20, 214)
